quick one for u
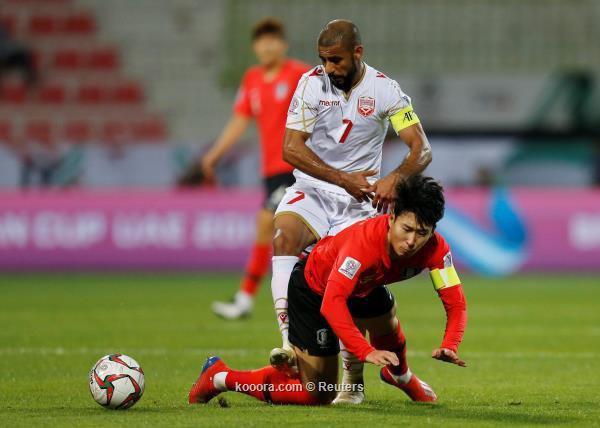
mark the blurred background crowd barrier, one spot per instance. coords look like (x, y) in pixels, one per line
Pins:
(102, 98)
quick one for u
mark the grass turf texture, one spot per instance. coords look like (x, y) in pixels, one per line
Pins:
(531, 348)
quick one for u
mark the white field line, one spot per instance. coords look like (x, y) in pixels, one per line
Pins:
(242, 352)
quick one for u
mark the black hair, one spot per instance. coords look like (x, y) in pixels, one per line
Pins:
(422, 196)
(271, 26)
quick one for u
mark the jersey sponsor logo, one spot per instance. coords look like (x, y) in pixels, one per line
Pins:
(349, 267)
(328, 103)
(380, 74)
(294, 106)
(281, 90)
(366, 106)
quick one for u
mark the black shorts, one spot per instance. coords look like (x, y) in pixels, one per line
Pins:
(275, 186)
(309, 330)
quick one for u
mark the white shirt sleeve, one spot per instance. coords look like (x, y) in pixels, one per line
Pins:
(398, 107)
(304, 107)
(395, 99)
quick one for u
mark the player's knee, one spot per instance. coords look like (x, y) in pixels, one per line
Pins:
(286, 243)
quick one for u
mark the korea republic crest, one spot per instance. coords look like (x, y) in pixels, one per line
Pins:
(366, 106)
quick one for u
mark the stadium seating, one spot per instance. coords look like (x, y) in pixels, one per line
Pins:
(83, 93)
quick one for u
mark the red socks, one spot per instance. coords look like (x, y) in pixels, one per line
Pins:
(257, 266)
(394, 342)
(270, 385)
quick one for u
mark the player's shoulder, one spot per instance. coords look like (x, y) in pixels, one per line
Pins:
(253, 72)
(313, 80)
(365, 237)
(315, 74)
(436, 251)
(382, 81)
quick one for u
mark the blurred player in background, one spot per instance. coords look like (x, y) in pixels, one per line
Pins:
(331, 296)
(336, 125)
(264, 95)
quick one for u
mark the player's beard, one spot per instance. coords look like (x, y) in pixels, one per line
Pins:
(344, 83)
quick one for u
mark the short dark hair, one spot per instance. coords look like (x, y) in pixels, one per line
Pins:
(271, 26)
(340, 31)
(422, 196)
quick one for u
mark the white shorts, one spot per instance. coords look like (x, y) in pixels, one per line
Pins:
(322, 211)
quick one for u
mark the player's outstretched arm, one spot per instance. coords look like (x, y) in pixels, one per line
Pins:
(230, 135)
(297, 154)
(419, 156)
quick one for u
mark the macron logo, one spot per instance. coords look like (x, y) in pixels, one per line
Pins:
(328, 103)
(349, 267)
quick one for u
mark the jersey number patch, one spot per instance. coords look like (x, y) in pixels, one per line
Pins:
(297, 198)
(348, 124)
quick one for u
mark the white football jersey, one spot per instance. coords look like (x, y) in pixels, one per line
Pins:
(348, 133)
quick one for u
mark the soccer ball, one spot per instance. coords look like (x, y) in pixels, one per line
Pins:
(116, 381)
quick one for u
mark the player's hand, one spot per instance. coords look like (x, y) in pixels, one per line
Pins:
(208, 164)
(356, 184)
(384, 191)
(382, 358)
(447, 355)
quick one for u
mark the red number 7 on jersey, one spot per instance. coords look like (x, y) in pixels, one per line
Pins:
(348, 124)
(297, 198)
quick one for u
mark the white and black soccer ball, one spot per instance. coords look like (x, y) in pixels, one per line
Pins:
(117, 381)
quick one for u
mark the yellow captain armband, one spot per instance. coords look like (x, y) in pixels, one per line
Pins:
(404, 118)
(444, 278)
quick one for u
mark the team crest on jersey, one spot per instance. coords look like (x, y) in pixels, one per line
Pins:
(349, 267)
(366, 106)
(281, 90)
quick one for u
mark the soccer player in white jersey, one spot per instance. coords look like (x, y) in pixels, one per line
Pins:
(337, 122)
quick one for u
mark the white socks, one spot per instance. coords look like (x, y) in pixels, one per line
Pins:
(219, 381)
(402, 378)
(282, 270)
(353, 367)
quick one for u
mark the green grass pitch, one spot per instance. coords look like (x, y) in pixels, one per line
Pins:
(531, 348)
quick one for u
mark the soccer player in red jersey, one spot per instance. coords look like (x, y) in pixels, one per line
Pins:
(264, 95)
(338, 293)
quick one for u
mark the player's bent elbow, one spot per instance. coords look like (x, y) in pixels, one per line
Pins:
(426, 155)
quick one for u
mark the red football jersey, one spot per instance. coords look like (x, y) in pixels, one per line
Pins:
(268, 103)
(356, 260)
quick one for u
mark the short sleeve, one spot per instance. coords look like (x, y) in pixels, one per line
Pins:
(304, 107)
(242, 105)
(398, 107)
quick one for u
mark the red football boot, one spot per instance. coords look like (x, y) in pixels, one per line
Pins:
(415, 388)
(204, 390)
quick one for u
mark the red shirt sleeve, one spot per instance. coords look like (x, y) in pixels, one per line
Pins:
(242, 105)
(341, 283)
(450, 291)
